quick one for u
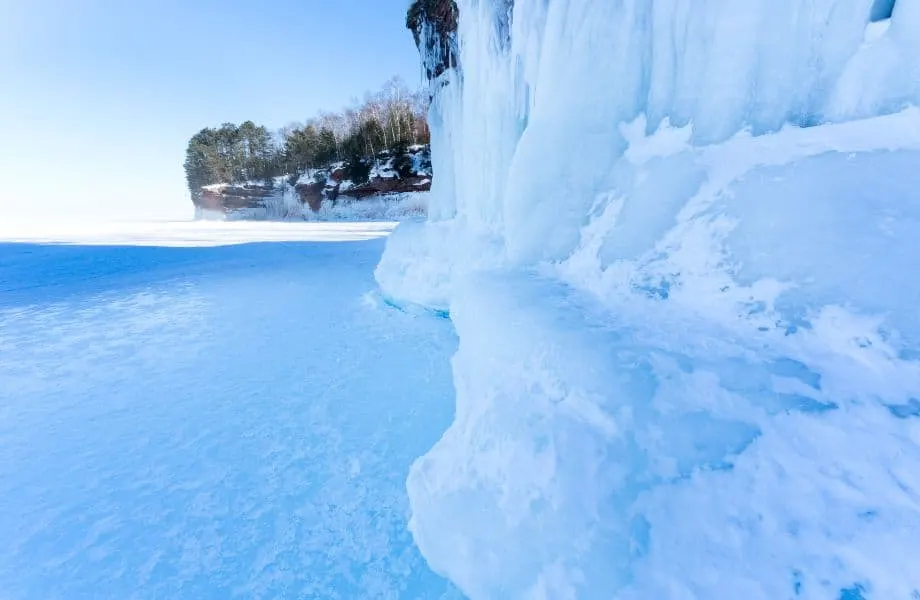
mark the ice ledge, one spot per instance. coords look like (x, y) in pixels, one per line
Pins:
(592, 457)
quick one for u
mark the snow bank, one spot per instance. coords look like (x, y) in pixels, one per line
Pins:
(677, 243)
(388, 207)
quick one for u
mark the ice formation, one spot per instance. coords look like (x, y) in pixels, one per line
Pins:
(678, 240)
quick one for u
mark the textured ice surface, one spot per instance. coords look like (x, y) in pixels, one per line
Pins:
(667, 460)
(211, 422)
(679, 242)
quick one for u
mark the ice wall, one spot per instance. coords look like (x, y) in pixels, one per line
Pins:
(677, 240)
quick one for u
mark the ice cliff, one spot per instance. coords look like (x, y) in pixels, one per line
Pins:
(679, 243)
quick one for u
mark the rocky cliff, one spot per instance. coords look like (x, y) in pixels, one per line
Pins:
(434, 25)
(388, 175)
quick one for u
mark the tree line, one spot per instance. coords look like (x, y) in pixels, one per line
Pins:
(388, 120)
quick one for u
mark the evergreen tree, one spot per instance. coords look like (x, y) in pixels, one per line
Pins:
(402, 160)
(231, 154)
(386, 122)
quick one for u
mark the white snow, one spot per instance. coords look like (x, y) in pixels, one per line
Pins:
(191, 233)
(678, 241)
(230, 418)
(383, 208)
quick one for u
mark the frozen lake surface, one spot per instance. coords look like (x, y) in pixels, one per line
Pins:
(184, 415)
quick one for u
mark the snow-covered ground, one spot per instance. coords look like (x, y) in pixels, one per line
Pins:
(191, 233)
(404, 206)
(234, 417)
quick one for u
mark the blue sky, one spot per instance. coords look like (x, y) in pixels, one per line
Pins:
(98, 97)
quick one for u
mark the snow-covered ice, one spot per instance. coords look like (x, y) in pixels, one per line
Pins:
(208, 410)
(189, 233)
(679, 244)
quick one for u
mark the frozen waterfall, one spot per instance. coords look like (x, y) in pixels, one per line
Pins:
(679, 243)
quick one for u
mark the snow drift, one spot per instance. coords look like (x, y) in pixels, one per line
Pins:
(384, 207)
(678, 242)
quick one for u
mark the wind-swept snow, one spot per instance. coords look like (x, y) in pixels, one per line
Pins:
(211, 422)
(190, 233)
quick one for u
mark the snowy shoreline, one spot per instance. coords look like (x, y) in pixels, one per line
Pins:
(192, 233)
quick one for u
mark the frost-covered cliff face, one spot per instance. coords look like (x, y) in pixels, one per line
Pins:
(678, 241)
(434, 26)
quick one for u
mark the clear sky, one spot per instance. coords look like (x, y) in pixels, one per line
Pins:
(99, 97)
